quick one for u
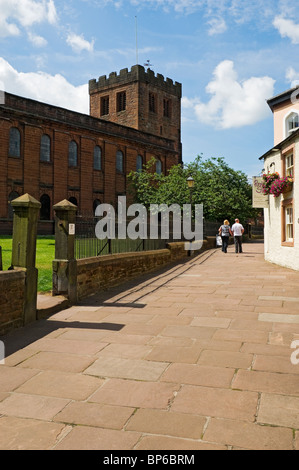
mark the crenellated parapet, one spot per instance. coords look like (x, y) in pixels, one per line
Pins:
(137, 73)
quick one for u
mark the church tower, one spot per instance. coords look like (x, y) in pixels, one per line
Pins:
(141, 100)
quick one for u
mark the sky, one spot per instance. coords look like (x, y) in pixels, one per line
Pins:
(229, 55)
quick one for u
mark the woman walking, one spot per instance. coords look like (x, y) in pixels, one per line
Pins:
(225, 232)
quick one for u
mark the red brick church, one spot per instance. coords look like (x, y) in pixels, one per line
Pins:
(55, 154)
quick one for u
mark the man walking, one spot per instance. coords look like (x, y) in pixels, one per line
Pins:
(238, 231)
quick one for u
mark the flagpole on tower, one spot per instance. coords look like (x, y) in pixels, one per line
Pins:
(136, 24)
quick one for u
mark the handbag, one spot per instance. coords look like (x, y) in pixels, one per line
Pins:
(218, 240)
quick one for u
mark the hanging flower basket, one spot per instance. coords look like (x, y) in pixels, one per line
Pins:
(288, 187)
(268, 180)
(281, 185)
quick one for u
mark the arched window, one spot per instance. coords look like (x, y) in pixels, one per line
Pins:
(73, 153)
(14, 142)
(45, 209)
(119, 161)
(73, 200)
(139, 163)
(292, 123)
(97, 158)
(13, 195)
(158, 167)
(45, 148)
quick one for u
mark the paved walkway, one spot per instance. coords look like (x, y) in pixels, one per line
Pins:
(197, 357)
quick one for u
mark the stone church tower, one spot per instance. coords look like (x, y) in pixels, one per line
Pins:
(141, 100)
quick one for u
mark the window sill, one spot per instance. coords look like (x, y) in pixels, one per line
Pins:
(291, 244)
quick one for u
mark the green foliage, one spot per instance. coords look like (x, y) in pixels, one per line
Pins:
(225, 193)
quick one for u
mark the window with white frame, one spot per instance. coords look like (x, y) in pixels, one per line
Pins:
(289, 165)
(289, 225)
(292, 123)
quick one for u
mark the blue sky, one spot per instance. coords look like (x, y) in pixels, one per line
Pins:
(229, 55)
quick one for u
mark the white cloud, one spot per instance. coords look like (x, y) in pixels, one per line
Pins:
(234, 104)
(36, 40)
(292, 76)
(78, 43)
(287, 28)
(52, 13)
(51, 89)
(241, 11)
(24, 13)
(189, 103)
(217, 26)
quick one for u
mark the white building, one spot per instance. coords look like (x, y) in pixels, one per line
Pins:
(282, 215)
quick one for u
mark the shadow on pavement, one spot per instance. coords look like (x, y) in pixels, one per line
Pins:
(27, 335)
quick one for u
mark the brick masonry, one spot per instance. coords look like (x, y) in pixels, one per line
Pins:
(138, 84)
(56, 178)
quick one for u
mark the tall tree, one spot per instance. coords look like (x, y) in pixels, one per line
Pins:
(224, 192)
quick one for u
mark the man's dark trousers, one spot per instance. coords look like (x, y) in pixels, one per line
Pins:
(238, 244)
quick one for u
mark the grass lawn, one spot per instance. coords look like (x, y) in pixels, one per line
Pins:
(45, 252)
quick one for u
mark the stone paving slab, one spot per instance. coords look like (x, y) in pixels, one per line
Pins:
(28, 434)
(249, 436)
(167, 423)
(153, 395)
(223, 403)
(96, 415)
(194, 357)
(279, 410)
(32, 406)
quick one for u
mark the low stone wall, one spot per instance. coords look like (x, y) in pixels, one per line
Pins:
(96, 274)
(12, 299)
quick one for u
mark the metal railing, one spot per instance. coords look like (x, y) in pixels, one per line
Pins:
(91, 247)
(87, 245)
